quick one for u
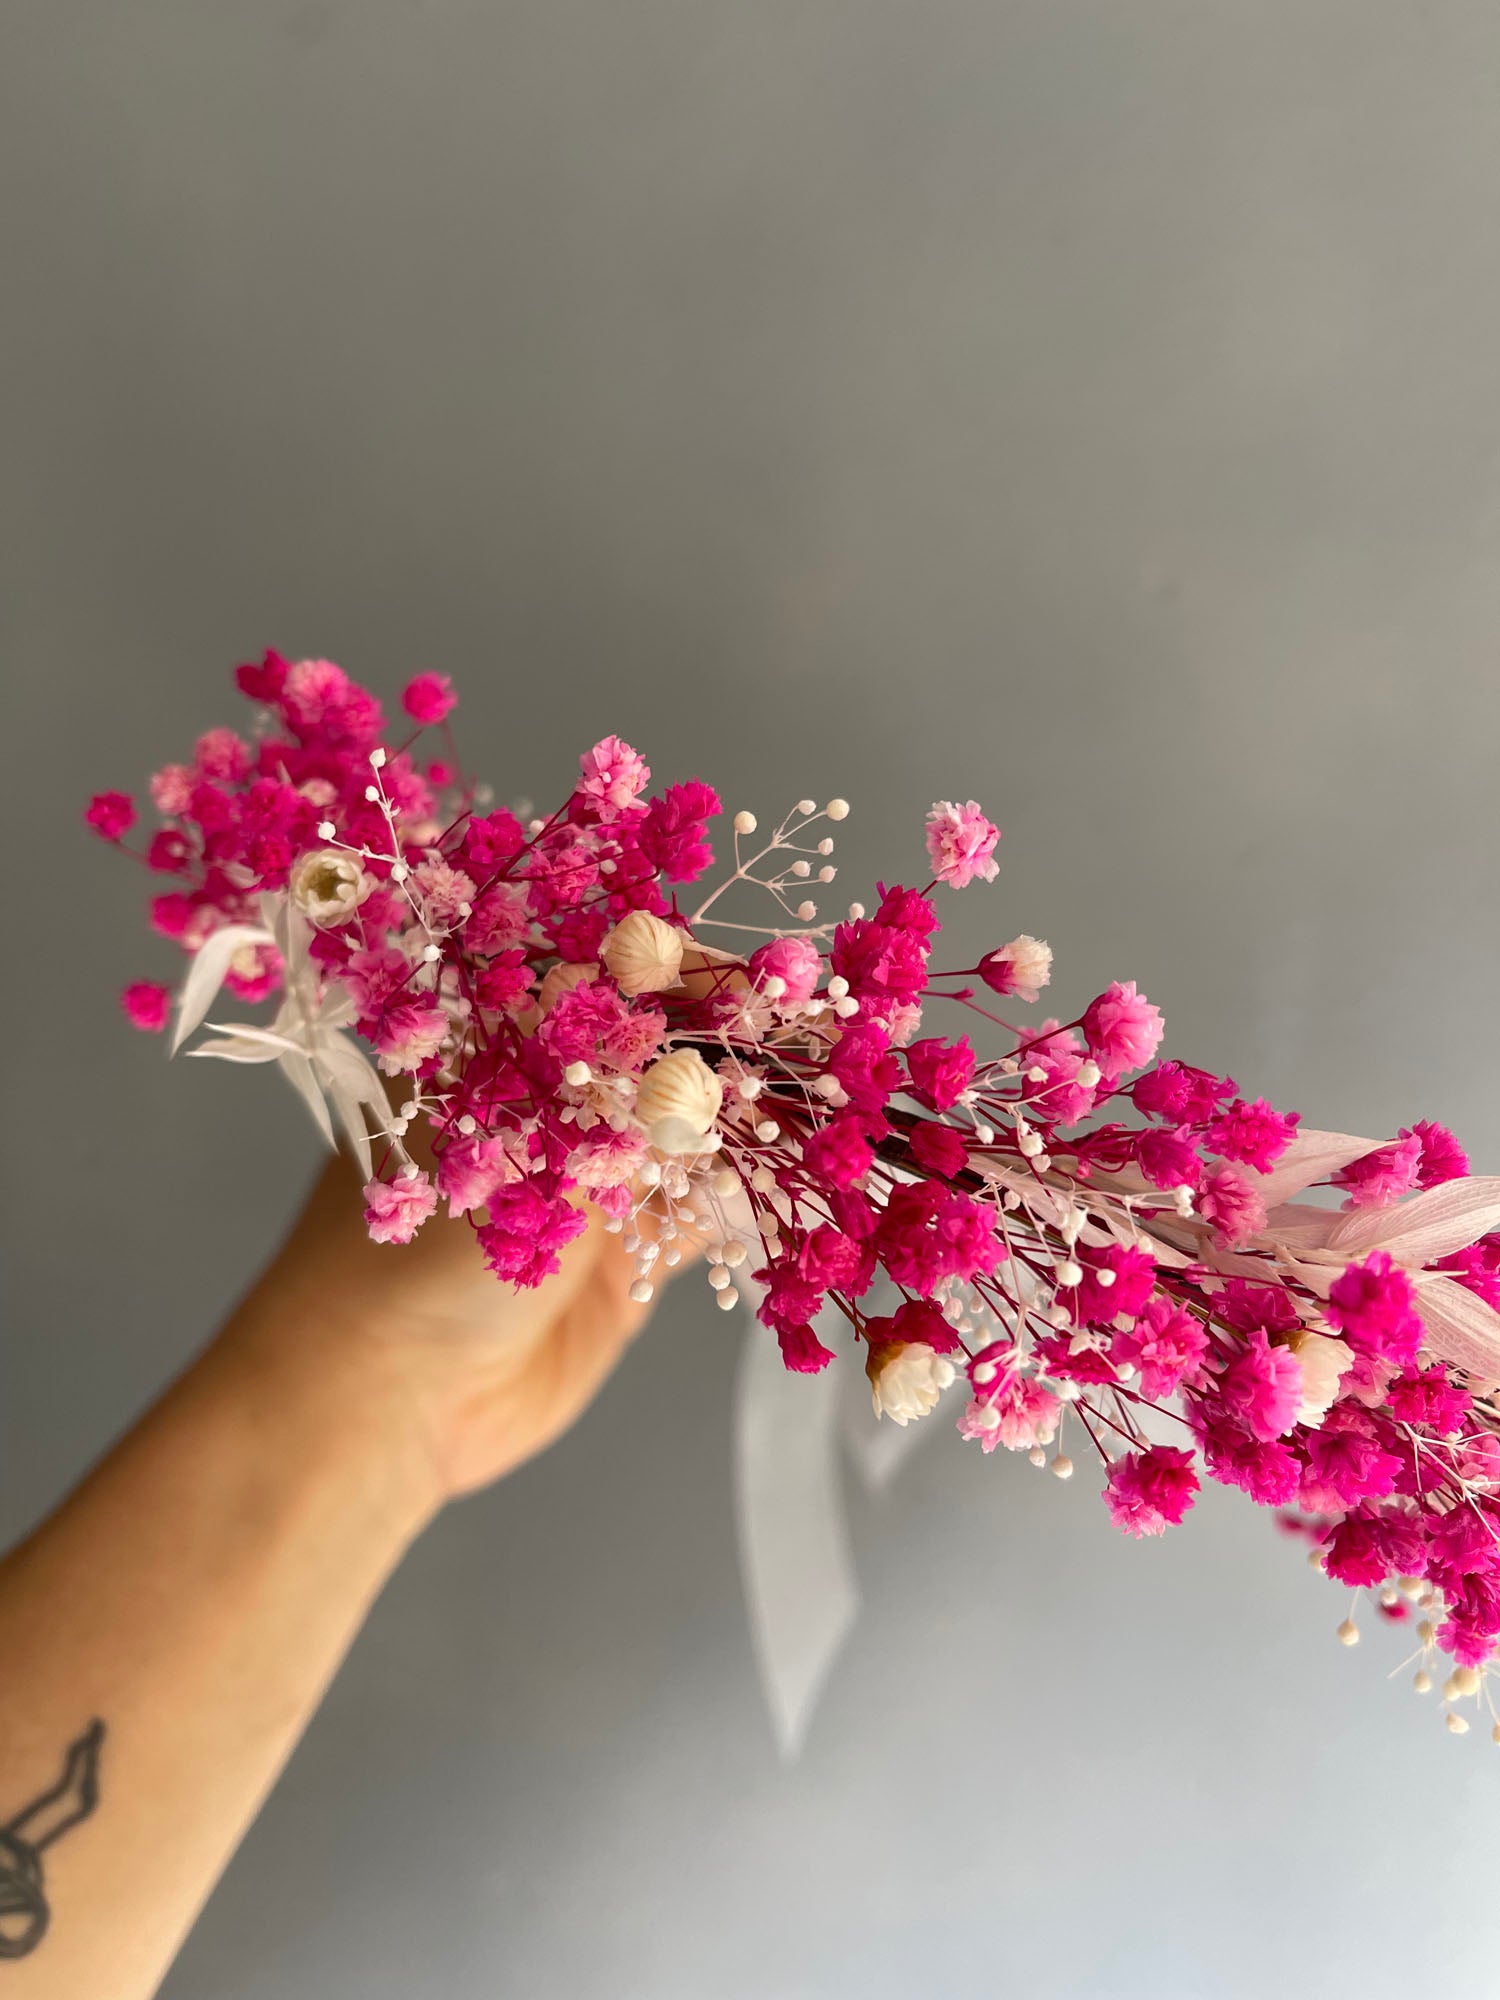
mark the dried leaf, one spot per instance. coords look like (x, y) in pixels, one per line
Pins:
(299, 1071)
(206, 974)
(1461, 1329)
(1427, 1227)
(1311, 1157)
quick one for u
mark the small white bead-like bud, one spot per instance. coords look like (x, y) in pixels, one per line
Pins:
(377, 760)
(432, 954)
(762, 1180)
(1037, 1455)
(806, 912)
(801, 869)
(767, 1130)
(578, 1074)
(1088, 1074)
(846, 1008)
(807, 805)
(718, 1278)
(1421, 1680)
(827, 874)
(467, 1124)
(725, 1181)
(1348, 1633)
(825, 845)
(774, 987)
(856, 911)
(1456, 1725)
(1069, 1273)
(745, 822)
(372, 793)
(837, 809)
(1062, 1465)
(838, 987)
(326, 829)
(729, 1298)
(643, 1291)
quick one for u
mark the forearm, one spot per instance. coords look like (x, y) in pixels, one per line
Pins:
(195, 1594)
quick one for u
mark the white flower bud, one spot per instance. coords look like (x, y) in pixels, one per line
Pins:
(644, 953)
(328, 887)
(1324, 1362)
(745, 822)
(906, 1379)
(678, 1101)
(1030, 961)
(837, 809)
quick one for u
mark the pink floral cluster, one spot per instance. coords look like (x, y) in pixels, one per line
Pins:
(1101, 1244)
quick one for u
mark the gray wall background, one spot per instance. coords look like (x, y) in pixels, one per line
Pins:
(1089, 405)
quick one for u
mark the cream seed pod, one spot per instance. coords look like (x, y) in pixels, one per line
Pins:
(644, 953)
(707, 971)
(678, 1101)
(327, 886)
(560, 980)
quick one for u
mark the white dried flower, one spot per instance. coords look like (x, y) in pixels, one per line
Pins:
(644, 953)
(678, 1101)
(906, 1379)
(327, 886)
(1324, 1362)
(562, 979)
(1030, 961)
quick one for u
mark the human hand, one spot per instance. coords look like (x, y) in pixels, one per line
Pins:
(470, 1378)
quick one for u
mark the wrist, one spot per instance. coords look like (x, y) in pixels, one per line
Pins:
(328, 1402)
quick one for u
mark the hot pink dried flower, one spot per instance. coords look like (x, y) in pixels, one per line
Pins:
(395, 1210)
(961, 844)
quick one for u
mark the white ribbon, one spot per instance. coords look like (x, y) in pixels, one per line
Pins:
(801, 1596)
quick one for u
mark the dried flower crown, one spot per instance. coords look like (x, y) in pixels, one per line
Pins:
(1115, 1260)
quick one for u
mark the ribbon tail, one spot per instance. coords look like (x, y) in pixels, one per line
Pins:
(795, 1561)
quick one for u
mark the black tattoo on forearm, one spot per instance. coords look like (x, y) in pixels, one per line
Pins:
(24, 1915)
